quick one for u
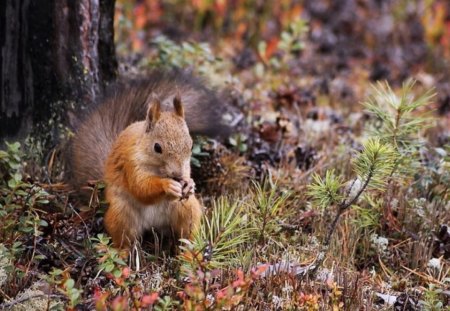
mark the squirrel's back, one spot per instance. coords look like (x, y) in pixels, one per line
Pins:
(125, 103)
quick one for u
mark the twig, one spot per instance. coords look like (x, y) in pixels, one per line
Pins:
(33, 253)
(9, 305)
(342, 207)
(289, 226)
(384, 268)
(424, 276)
(82, 220)
(401, 243)
(4, 294)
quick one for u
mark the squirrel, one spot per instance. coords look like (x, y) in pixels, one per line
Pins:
(138, 141)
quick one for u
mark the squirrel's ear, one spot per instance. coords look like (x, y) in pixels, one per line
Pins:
(153, 112)
(179, 110)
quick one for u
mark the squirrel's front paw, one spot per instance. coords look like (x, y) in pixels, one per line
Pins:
(188, 188)
(173, 189)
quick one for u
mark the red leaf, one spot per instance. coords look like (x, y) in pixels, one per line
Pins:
(148, 300)
(272, 46)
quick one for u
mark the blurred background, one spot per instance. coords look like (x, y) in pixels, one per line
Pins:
(356, 40)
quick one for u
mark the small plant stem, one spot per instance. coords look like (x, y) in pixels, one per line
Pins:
(4, 295)
(33, 253)
(289, 226)
(343, 206)
(397, 123)
(262, 236)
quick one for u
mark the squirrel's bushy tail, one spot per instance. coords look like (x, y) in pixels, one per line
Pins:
(126, 102)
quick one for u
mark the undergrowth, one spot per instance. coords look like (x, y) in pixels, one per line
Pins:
(307, 207)
(246, 247)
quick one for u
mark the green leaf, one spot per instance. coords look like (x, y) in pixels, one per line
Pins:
(109, 267)
(120, 261)
(69, 283)
(3, 155)
(196, 149)
(56, 272)
(117, 273)
(12, 183)
(195, 162)
(17, 176)
(27, 229)
(21, 193)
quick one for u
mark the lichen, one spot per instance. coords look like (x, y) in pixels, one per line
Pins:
(3, 275)
(35, 300)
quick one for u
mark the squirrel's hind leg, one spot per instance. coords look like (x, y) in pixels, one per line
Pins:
(186, 217)
(119, 223)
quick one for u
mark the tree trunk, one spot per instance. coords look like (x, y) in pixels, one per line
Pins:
(55, 55)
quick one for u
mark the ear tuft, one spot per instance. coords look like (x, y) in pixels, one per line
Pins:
(179, 110)
(153, 112)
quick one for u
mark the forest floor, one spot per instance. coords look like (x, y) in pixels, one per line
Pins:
(310, 120)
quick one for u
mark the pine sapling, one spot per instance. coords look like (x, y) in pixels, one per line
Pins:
(372, 166)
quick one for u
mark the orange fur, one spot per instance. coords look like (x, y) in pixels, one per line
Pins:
(143, 185)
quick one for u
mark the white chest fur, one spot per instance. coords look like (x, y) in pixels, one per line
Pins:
(155, 216)
(144, 217)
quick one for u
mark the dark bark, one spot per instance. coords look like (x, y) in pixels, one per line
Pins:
(54, 53)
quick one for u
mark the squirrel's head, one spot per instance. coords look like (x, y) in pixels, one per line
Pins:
(168, 145)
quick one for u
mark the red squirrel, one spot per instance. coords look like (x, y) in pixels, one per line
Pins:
(138, 141)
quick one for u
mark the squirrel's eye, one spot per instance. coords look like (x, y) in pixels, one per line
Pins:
(157, 148)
